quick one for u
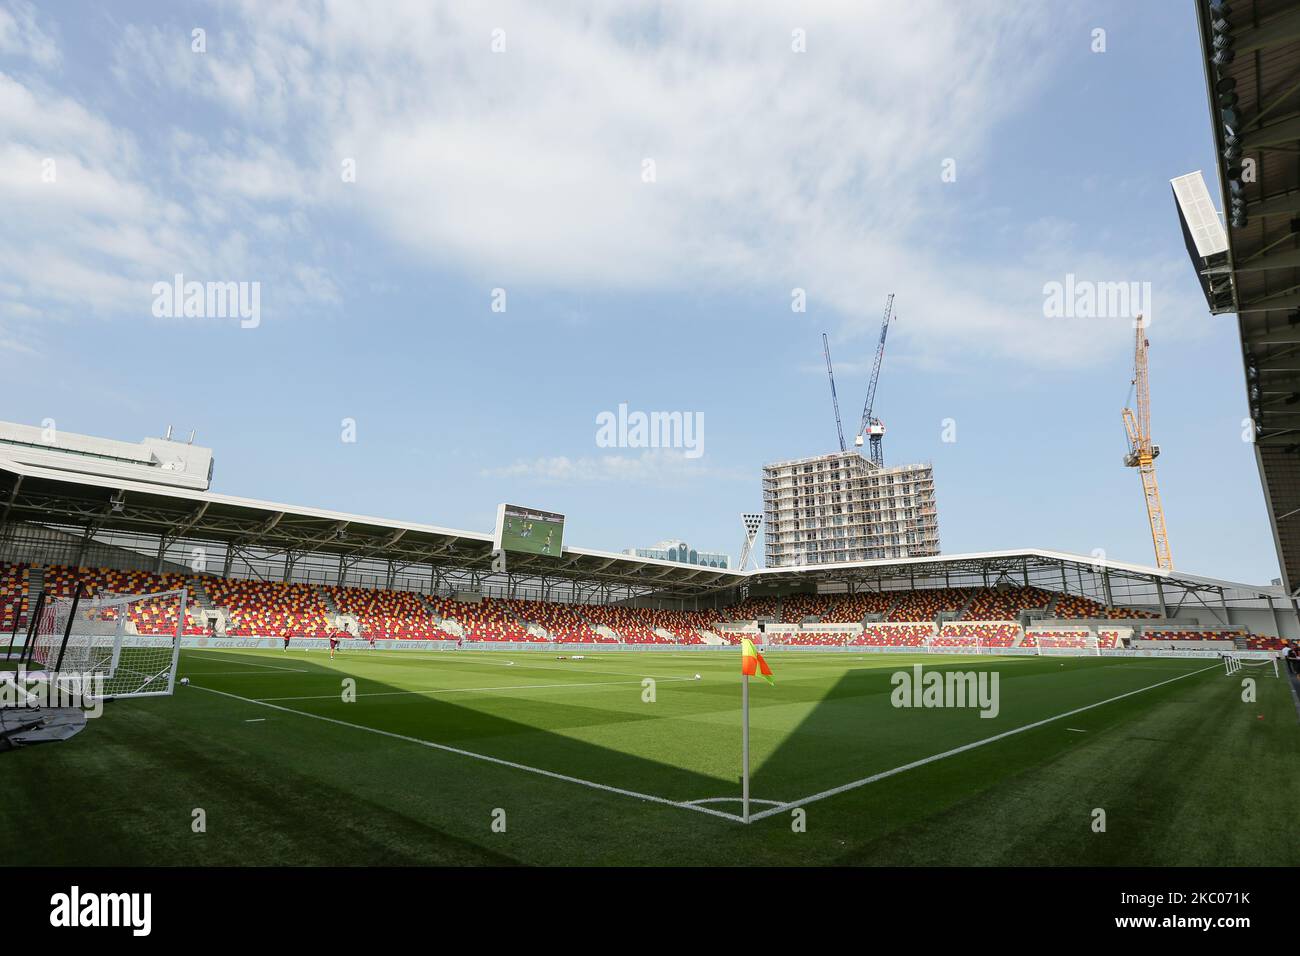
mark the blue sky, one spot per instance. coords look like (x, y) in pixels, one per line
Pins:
(523, 169)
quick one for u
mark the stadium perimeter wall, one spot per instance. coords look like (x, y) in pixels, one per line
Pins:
(355, 646)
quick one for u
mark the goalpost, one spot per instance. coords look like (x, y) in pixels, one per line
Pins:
(1068, 644)
(76, 638)
(953, 644)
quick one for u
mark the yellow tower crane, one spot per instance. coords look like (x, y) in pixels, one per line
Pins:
(1142, 453)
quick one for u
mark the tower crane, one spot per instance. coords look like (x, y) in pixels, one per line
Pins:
(830, 373)
(873, 428)
(1142, 453)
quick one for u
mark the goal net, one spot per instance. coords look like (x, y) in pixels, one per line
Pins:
(953, 644)
(130, 642)
(1067, 643)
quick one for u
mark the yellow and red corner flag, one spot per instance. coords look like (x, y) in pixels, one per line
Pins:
(751, 662)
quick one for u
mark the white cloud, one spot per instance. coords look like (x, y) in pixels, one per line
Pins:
(815, 169)
(774, 169)
(21, 35)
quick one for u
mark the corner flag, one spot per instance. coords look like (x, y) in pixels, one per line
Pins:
(752, 663)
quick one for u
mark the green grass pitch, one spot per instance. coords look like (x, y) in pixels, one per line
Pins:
(587, 772)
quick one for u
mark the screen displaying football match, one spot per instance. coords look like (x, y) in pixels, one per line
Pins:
(529, 530)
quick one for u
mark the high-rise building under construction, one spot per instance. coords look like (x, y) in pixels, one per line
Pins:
(840, 507)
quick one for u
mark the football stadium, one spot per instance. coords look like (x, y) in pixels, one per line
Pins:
(246, 647)
(328, 663)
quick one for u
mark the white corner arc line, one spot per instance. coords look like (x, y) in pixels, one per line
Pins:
(476, 756)
(734, 800)
(835, 791)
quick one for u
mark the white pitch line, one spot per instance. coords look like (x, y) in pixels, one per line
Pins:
(524, 663)
(244, 673)
(473, 690)
(274, 667)
(732, 800)
(476, 756)
(835, 791)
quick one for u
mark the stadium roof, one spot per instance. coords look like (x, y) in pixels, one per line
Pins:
(94, 505)
(47, 496)
(1254, 100)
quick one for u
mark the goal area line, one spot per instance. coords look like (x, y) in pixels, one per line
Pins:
(697, 805)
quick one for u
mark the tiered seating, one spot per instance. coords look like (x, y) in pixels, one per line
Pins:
(632, 625)
(1057, 638)
(266, 608)
(1071, 607)
(388, 615)
(985, 635)
(750, 609)
(878, 635)
(833, 608)
(683, 625)
(797, 607)
(485, 620)
(1208, 634)
(1262, 642)
(13, 597)
(149, 617)
(829, 639)
(563, 622)
(925, 605)
(990, 604)
(273, 608)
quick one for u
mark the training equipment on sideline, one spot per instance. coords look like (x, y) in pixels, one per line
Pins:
(1235, 662)
(77, 638)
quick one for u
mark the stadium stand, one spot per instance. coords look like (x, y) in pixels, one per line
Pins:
(926, 605)
(1001, 634)
(815, 639)
(833, 608)
(1062, 638)
(992, 604)
(13, 597)
(1205, 634)
(751, 609)
(268, 608)
(1070, 606)
(895, 635)
(263, 607)
(485, 620)
(149, 617)
(564, 623)
(391, 615)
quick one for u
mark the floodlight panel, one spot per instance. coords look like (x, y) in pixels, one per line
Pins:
(1199, 215)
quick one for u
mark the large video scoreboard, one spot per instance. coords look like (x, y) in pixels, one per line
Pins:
(529, 530)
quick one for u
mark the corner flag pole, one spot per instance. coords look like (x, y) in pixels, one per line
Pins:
(744, 745)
